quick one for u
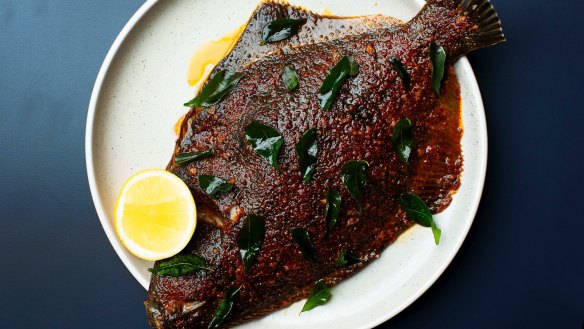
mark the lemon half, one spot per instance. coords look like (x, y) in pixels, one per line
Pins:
(155, 214)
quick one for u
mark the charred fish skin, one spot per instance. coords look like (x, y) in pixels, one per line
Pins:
(357, 127)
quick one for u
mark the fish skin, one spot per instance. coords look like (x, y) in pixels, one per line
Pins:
(357, 127)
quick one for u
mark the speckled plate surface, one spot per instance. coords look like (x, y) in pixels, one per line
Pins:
(138, 97)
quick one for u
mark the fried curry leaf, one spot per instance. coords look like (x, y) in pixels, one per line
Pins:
(401, 71)
(346, 258)
(436, 232)
(353, 67)
(334, 81)
(417, 210)
(319, 295)
(250, 239)
(290, 78)
(354, 175)
(332, 208)
(224, 308)
(213, 185)
(438, 57)
(180, 265)
(186, 158)
(214, 91)
(403, 139)
(281, 29)
(307, 149)
(265, 141)
(301, 237)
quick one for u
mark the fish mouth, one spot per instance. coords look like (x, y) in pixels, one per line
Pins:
(176, 309)
(155, 318)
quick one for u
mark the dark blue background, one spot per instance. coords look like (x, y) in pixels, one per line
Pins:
(522, 265)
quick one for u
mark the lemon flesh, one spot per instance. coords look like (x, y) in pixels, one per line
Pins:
(155, 214)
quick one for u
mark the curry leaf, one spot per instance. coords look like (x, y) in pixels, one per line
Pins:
(180, 265)
(346, 258)
(213, 185)
(214, 91)
(353, 67)
(281, 29)
(417, 210)
(186, 158)
(334, 81)
(224, 308)
(319, 295)
(332, 208)
(354, 176)
(250, 239)
(403, 139)
(290, 78)
(307, 149)
(301, 237)
(265, 141)
(438, 57)
(401, 71)
(436, 232)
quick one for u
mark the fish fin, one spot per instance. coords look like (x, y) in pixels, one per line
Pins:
(484, 28)
(436, 171)
(487, 30)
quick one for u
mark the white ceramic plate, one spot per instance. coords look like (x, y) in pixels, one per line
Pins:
(138, 97)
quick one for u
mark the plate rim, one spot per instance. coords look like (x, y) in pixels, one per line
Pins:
(89, 130)
(119, 248)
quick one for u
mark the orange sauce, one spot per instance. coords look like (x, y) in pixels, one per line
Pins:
(208, 55)
(204, 60)
(178, 123)
(326, 12)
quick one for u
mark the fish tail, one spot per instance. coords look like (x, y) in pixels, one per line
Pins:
(488, 30)
(475, 23)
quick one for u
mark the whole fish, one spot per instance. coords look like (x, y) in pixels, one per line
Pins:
(290, 176)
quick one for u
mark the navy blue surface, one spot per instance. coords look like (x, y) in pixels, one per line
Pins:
(522, 265)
